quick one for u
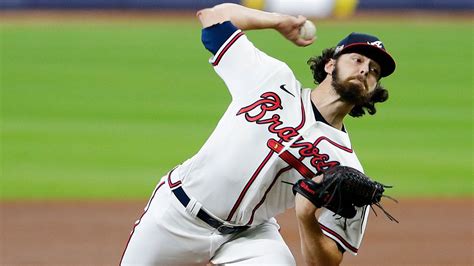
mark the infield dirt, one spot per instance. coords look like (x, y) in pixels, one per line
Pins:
(430, 232)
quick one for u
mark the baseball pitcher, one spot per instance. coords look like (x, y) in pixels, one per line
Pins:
(277, 146)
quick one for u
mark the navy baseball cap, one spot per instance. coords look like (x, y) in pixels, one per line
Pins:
(369, 46)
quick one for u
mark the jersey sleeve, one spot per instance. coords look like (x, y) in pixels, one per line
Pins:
(348, 233)
(236, 60)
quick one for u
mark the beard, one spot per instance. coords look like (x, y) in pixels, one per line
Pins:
(350, 92)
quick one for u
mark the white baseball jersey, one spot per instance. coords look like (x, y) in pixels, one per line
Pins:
(238, 175)
(235, 175)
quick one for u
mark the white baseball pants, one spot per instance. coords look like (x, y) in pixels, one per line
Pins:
(167, 235)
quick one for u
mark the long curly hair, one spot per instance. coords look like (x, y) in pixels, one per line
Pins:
(317, 64)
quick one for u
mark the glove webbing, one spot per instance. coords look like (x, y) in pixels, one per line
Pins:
(307, 173)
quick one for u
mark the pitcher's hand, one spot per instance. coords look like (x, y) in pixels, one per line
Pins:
(290, 26)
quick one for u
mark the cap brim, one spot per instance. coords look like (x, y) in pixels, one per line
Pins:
(386, 62)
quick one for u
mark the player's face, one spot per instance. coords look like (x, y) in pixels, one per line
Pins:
(354, 77)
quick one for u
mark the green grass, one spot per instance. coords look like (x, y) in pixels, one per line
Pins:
(102, 110)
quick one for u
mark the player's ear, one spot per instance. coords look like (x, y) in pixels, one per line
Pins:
(330, 65)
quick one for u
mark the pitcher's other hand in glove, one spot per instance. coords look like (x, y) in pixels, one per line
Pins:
(341, 189)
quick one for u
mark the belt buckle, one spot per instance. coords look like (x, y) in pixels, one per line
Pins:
(225, 229)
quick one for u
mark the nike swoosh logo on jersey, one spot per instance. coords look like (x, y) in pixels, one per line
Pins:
(283, 88)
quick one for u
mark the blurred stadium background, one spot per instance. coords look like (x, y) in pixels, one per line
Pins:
(311, 8)
(306, 6)
(92, 107)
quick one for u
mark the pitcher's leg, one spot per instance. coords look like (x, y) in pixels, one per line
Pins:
(166, 235)
(262, 245)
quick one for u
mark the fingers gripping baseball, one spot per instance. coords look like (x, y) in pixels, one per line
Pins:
(291, 28)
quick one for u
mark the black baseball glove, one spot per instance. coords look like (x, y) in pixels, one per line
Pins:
(341, 190)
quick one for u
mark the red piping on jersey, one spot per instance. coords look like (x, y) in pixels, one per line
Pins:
(249, 183)
(139, 220)
(344, 242)
(172, 185)
(303, 117)
(303, 120)
(280, 146)
(266, 192)
(344, 148)
(219, 57)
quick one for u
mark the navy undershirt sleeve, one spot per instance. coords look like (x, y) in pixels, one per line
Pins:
(213, 37)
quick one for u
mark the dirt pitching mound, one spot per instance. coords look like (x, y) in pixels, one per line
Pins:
(431, 232)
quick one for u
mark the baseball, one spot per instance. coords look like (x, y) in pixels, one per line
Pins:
(308, 31)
